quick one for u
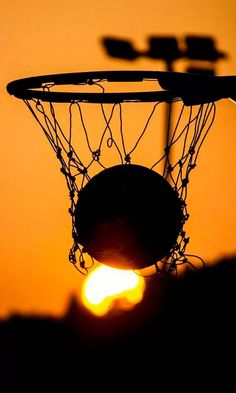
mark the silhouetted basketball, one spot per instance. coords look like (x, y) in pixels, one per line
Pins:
(128, 216)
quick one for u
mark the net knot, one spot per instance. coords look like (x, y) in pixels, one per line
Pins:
(71, 177)
(64, 171)
(176, 247)
(71, 212)
(70, 154)
(185, 181)
(127, 159)
(191, 151)
(167, 149)
(186, 217)
(83, 171)
(90, 81)
(170, 168)
(72, 194)
(172, 266)
(96, 154)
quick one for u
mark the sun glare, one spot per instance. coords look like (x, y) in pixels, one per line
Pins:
(106, 288)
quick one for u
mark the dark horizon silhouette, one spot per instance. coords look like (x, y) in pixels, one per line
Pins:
(183, 327)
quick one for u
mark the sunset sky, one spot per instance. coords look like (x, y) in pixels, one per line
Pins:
(65, 36)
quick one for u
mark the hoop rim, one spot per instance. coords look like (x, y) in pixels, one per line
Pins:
(192, 89)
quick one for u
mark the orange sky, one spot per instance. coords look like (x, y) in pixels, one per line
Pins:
(51, 37)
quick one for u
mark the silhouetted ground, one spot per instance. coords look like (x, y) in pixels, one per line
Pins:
(182, 336)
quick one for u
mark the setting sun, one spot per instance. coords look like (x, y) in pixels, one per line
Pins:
(106, 288)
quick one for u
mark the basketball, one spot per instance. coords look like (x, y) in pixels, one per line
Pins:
(128, 217)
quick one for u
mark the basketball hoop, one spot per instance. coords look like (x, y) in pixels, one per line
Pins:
(128, 194)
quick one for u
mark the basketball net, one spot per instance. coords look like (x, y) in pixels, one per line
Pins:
(88, 138)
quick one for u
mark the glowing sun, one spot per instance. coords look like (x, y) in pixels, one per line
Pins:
(106, 288)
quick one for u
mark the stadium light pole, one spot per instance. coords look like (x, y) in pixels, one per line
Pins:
(166, 49)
